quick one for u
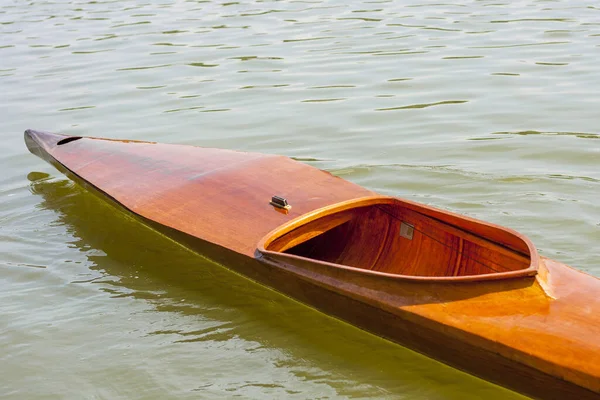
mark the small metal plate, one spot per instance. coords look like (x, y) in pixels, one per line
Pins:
(406, 230)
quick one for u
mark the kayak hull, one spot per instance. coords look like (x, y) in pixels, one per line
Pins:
(535, 333)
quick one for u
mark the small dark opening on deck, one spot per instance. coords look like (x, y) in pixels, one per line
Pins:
(68, 140)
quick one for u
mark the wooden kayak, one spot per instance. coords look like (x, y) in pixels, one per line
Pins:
(471, 294)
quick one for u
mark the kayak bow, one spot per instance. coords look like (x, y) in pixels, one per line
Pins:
(471, 294)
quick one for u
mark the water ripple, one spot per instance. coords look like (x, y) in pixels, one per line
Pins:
(581, 135)
(425, 105)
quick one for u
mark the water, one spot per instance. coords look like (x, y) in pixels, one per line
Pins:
(487, 108)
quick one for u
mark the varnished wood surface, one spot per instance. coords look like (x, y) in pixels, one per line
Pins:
(535, 331)
(200, 191)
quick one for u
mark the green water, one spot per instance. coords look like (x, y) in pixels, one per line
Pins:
(487, 108)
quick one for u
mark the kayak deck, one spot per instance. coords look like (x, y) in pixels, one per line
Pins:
(196, 190)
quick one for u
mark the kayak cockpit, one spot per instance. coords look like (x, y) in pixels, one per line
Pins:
(394, 237)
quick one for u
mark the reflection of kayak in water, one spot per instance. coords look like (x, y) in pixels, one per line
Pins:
(471, 294)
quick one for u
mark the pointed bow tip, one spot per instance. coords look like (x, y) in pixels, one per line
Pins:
(31, 141)
(41, 143)
(29, 134)
(46, 139)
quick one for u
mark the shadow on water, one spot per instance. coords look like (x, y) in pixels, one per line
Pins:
(135, 261)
